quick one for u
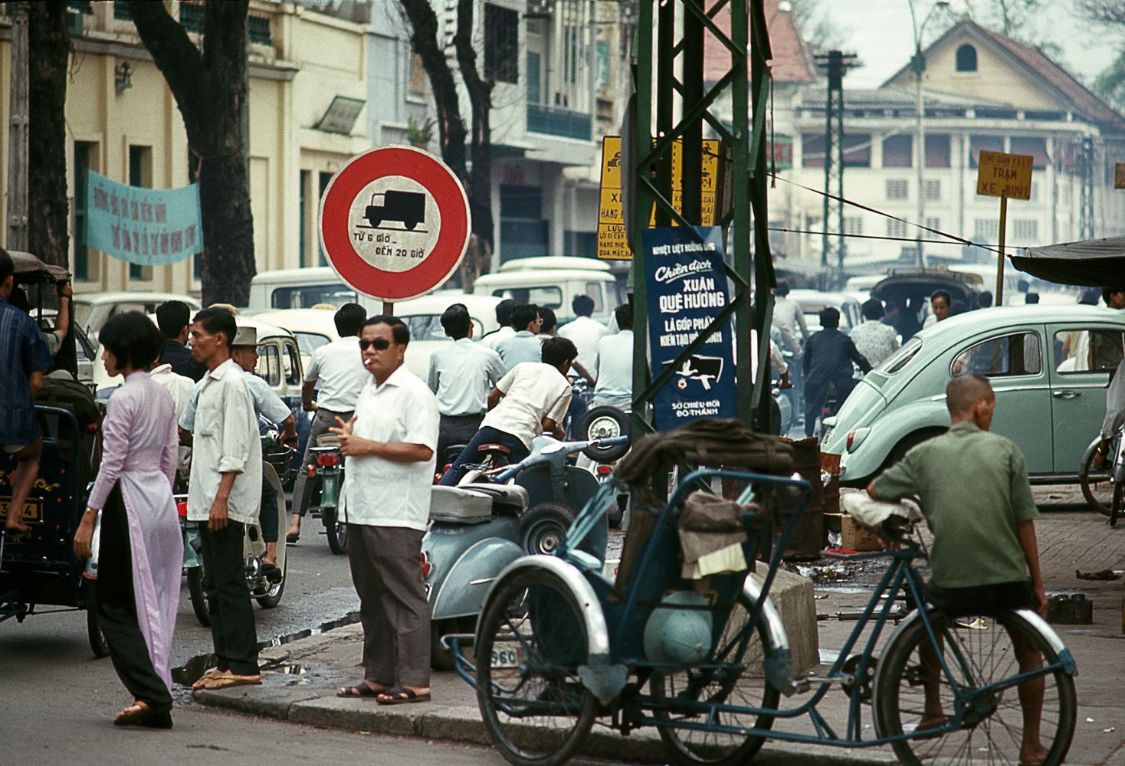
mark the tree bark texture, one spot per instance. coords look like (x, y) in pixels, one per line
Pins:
(48, 57)
(210, 88)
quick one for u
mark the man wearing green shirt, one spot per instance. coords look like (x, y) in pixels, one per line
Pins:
(977, 501)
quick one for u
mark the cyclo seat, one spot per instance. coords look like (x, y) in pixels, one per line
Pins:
(498, 448)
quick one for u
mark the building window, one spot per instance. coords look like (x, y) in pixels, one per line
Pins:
(853, 224)
(988, 143)
(502, 44)
(986, 230)
(966, 58)
(933, 223)
(857, 150)
(1025, 230)
(898, 152)
(933, 190)
(898, 188)
(258, 29)
(122, 11)
(938, 153)
(896, 228)
(416, 78)
(83, 151)
(1033, 145)
(534, 78)
(140, 175)
(812, 150)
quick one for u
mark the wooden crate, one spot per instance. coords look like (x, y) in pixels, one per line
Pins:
(856, 538)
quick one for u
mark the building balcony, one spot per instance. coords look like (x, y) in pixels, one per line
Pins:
(558, 122)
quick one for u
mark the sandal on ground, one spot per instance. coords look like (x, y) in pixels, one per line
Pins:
(228, 679)
(140, 714)
(401, 695)
(291, 538)
(361, 690)
(202, 680)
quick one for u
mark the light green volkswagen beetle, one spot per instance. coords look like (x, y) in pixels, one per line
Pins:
(1049, 366)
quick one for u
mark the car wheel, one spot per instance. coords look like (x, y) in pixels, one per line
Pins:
(907, 444)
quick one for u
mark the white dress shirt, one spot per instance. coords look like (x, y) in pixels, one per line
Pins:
(180, 387)
(266, 402)
(614, 376)
(491, 339)
(790, 322)
(524, 346)
(584, 333)
(461, 375)
(339, 367)
(532, 391)
(225, 438)
(385, 493)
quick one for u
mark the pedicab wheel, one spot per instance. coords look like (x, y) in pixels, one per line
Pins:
(604, 423)
(337, 533)
(741, 683)
(98, 643)
(197, 596)
(1096, 484)
(273, 595)
(978, 652)
(531, 640)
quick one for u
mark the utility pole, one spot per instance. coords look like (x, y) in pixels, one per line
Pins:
(1086, 156)
(918, 65)
(835, 64)
(16, 238)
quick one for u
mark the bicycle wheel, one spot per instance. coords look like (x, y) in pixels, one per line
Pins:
(978, 651)
(1097, 487)
(1115, 509)
(530, 643)
(742, 684)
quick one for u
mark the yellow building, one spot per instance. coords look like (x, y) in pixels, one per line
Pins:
(307, 95)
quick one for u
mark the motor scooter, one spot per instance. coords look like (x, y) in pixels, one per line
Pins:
(326, 477)
(480, 526)
(265, 587)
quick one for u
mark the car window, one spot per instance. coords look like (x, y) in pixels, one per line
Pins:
(309, 342)
(1080, 350)
(1007, 355)
(425, 327)
(545, 295)
(307, 296)
(292, 365)
(82, 313)
(269, 364)
(901, 358)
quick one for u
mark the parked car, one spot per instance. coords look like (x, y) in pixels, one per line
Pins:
(423, 317)
(312, 327)
(93, 310)
(302, 289)
(541, 281)
(813, 301)
(916, 286)
(1048, 364)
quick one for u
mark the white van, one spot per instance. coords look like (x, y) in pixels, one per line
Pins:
(553, 282)
(303, 289)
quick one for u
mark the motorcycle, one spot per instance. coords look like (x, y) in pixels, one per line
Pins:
(265, 586)
(326, 476)
(485, 523)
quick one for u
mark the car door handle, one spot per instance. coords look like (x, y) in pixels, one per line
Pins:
(1066, 394)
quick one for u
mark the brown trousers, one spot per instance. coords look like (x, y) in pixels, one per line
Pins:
(392, 604)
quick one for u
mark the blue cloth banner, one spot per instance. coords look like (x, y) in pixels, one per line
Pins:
(687, 289)
(149, 227)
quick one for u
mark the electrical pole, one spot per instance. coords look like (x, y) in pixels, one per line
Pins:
(1086, 188)
(835, 64)
(16, 238)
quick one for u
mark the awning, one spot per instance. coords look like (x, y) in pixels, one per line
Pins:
(1094, 262)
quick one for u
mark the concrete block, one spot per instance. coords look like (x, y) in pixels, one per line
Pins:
(459, 723)
(359, 715)
(793, 597)
(265, 701)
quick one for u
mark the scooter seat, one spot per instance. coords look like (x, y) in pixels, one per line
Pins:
(497, 448)
(506, 498)
(459, 505)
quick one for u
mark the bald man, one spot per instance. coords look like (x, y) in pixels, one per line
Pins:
(977, 500)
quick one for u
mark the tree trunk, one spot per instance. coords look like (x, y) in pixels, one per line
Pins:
(48, 52)
(210, 88)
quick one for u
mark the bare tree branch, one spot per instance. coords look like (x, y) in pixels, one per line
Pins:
(174, 53)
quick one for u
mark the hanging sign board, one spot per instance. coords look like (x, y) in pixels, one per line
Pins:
(1004, 175)
(687, 289)
(394, 223)
(149, 227)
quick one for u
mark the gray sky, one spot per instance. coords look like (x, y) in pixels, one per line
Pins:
(880, 32)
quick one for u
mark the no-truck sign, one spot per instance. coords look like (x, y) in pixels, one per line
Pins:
(394, 223)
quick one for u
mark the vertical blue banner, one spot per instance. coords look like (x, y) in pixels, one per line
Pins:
(687, 289)
(149, 227)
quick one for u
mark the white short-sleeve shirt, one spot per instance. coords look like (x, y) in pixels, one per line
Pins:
(532, 391)
(339, 368)
(384, 493)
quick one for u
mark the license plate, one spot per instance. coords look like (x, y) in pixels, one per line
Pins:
(505, 658)
(32, 509)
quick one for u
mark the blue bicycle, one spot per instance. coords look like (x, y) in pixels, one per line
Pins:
(706, 660)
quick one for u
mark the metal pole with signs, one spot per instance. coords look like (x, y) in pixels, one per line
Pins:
(1003, 175)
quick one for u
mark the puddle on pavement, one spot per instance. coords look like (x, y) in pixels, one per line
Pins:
(193, 669)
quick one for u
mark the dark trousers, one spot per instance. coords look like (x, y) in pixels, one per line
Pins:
(267, 516)
(117, 610)
(453, 430)
(816, 393)
(232, 616)
(322, 421)
(469, 455)
(575, 414)
(392, 604)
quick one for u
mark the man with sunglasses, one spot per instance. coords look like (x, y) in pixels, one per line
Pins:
(389, 444)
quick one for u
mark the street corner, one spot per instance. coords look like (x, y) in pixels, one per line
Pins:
(267, 701)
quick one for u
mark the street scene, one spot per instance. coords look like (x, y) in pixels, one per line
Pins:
(695, 382)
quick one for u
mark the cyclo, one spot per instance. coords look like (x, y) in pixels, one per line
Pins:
(40, 568)
(706, 660)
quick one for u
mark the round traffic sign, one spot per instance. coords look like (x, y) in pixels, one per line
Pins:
(394, 222)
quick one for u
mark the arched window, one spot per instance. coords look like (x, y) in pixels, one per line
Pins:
(966, 58)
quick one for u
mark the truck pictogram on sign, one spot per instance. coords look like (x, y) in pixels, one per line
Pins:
(405, 207)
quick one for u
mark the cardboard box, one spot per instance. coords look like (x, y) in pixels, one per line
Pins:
(856, 538)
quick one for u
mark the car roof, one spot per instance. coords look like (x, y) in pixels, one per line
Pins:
(311, 320)
(265, 329)
(1016, 316)
(96, 299)
(528, 277)
(554, 262)
(308, 275)
(436, 303)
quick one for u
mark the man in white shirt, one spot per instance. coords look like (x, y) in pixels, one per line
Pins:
(584, 332)
(338, 367)
(525, 345)
(180, 387)
(461, 375)
(224, 491)
(789, 320)
(614, 358)
(504, 320)
(529, 400)
(389, 446)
